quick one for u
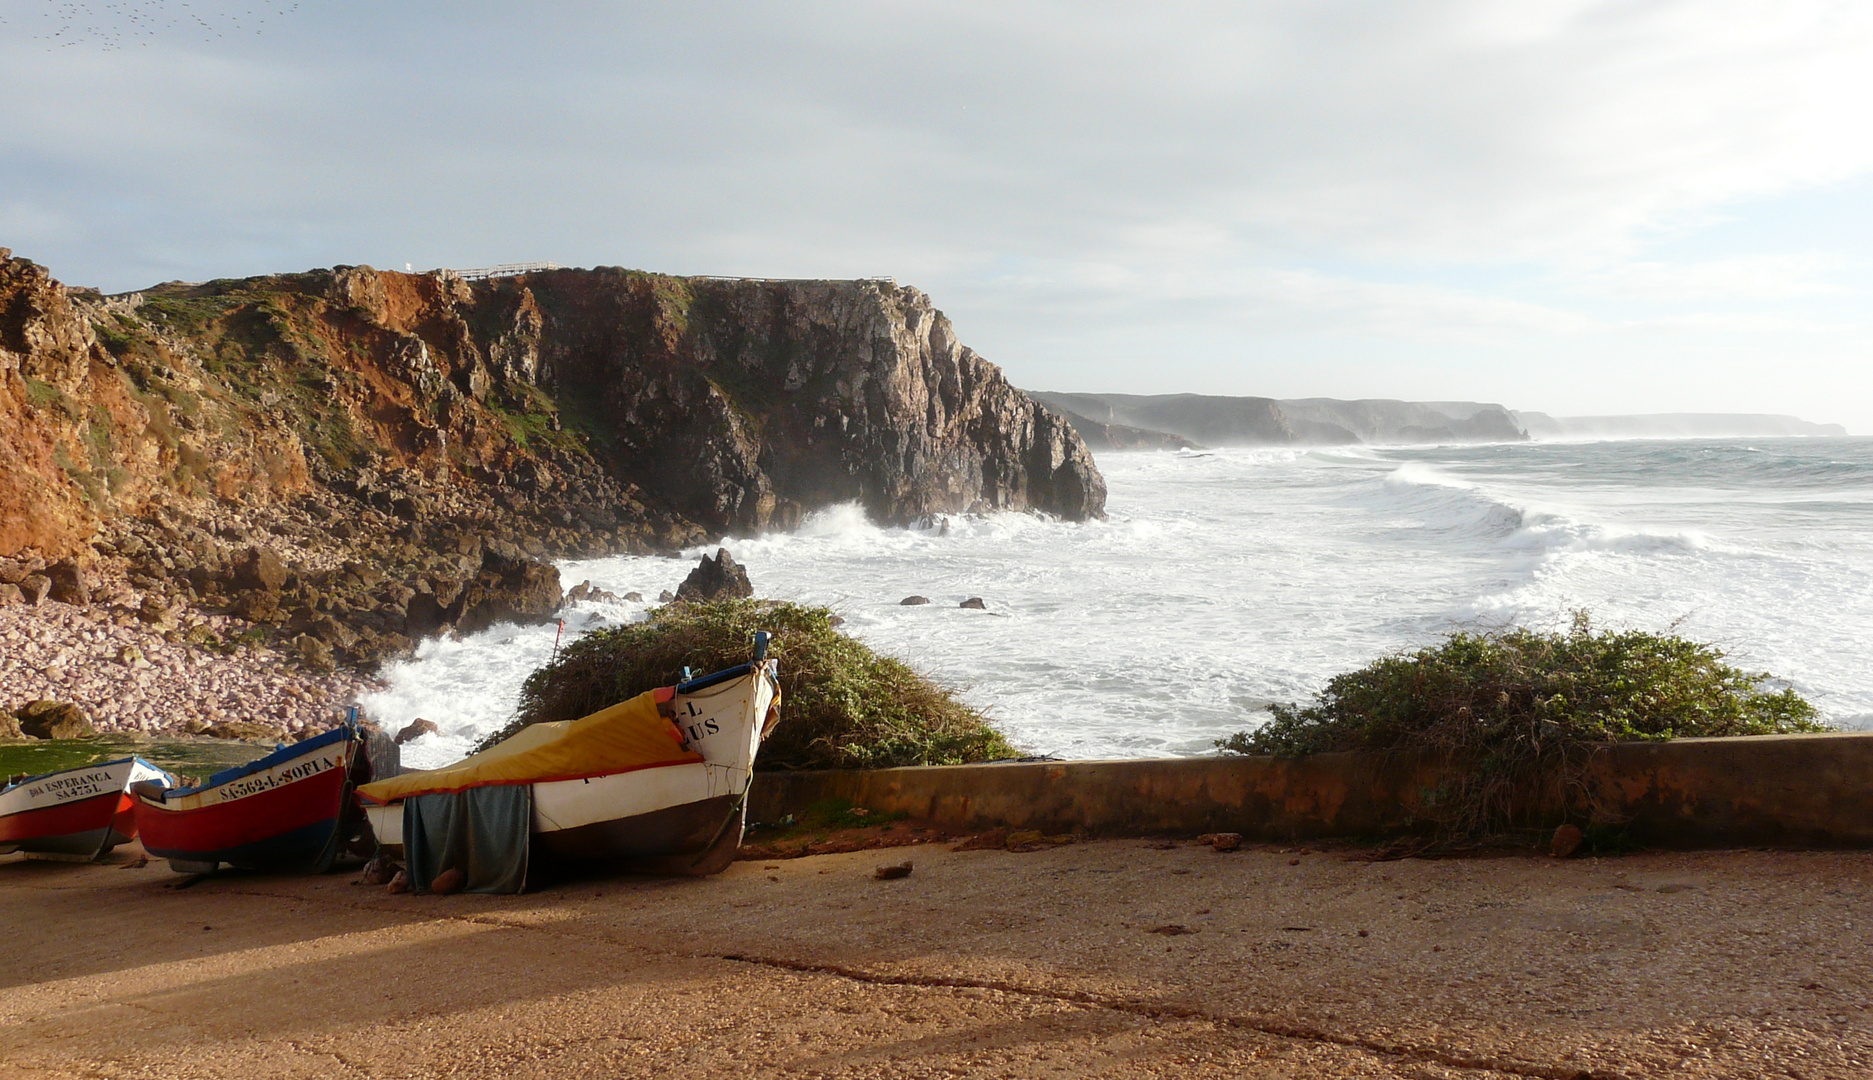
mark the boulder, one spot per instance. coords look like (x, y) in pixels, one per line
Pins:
(53, 720)
(10, 595)
(10, 727)
(509, 587)
(578, 592)
(379, 871)
(913, 601)
(255, 605)
(382, 753)
(68, 584)
(156, 611)
(634, 597)
(717, 577)
(259, 568)
(447, 882)
(416, 729)
(974, 602)
(132, 657)
(332, 632)
(34, 587)
(314, 653)
(665, 596)
(1567, 840)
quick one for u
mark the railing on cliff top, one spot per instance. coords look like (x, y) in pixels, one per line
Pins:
(516, 269)
(504, 270)
(781, 280)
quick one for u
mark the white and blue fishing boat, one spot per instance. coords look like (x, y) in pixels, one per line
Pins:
(76, 813)
(657, 783)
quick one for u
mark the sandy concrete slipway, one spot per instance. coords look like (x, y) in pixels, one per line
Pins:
(1109, 958)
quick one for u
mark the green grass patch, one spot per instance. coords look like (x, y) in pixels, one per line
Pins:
(1520, 713)
(525, 429)
(842, 705)
(185, 311)
(835, 813)
(531, 417)
(98, 435)
(114, 338)
(823, 818)
(194, 757)
(43, 395)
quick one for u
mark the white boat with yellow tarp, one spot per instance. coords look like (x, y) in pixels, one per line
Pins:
(660, 781)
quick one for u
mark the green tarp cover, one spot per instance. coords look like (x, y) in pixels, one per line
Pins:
(483, 831)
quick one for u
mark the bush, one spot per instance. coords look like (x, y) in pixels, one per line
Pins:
(1519, 713)
(842, 706)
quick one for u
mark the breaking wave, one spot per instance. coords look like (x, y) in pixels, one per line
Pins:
(1226, 580)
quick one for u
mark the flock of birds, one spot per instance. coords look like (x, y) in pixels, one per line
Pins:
(121, 25)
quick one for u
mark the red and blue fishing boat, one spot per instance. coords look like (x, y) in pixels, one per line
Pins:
(77, 813)
(282, 812)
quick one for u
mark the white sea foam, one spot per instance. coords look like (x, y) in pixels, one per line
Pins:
(1227, 580)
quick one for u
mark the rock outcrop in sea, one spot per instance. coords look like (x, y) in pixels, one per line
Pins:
(336, 463)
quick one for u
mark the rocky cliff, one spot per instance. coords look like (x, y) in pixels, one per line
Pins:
(409, 448)
(1101, 437)
(1204, 419)
(1382, 420)
(1253, 421)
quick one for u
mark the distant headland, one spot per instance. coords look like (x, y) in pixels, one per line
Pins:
(1169, 421)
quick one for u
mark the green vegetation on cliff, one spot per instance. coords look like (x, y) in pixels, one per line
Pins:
(1521, 712)
(842, 707)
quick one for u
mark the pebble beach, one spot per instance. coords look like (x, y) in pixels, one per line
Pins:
(129, 676)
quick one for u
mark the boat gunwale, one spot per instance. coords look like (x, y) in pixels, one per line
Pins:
(133, 758)
(277, 756)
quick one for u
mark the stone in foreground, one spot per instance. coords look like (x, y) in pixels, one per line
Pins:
(53, 720)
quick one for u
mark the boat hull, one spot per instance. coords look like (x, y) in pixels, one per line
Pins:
(686, 828)
(669, 819)
(76, 813)
(283, 814)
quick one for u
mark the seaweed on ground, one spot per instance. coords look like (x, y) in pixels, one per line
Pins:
(843, 706)
(1519, 714)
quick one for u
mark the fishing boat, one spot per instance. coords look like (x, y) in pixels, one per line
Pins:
(76, 814)
(658, 782)
(282, 812)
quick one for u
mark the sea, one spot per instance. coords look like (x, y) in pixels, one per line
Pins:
(1224, 580)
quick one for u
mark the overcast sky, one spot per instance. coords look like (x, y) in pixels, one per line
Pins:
(1563, 206)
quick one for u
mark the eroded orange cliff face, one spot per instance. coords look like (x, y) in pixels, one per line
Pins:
(580, 410)
(88, 438)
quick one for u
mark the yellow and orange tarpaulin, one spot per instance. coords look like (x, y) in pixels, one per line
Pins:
(629, 735)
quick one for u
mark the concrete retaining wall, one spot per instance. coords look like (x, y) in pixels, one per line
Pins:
(1783, 790)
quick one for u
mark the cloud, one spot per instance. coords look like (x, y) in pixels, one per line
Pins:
(1453, 170)
(1747, 278)
(1442, 131)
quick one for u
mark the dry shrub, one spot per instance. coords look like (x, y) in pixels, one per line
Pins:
(1519, 715)
(843, 706)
